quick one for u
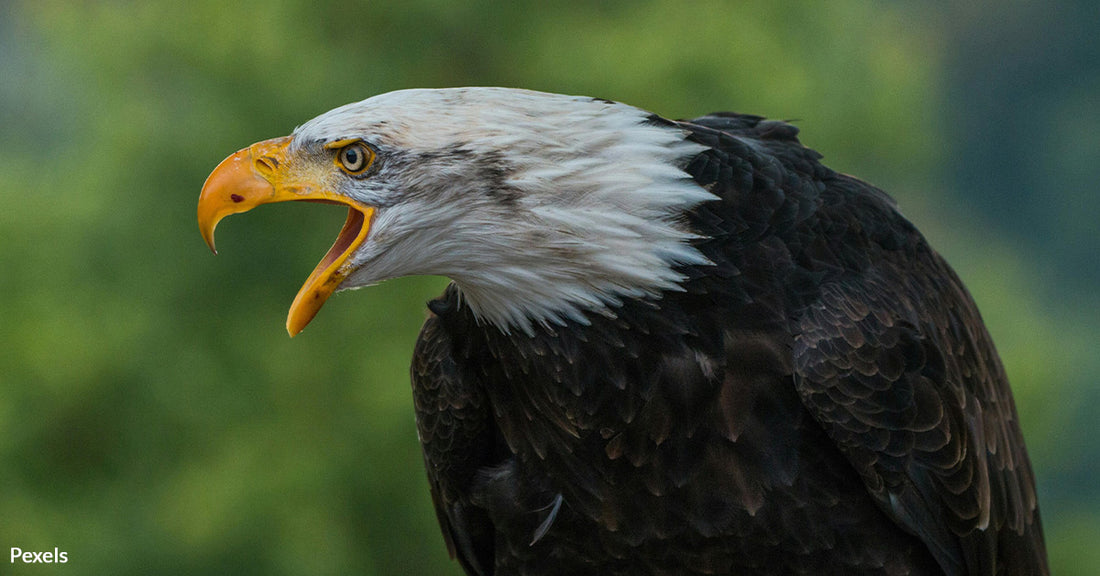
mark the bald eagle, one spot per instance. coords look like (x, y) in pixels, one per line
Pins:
(669, 347)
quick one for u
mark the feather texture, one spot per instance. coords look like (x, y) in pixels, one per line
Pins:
(820, 397)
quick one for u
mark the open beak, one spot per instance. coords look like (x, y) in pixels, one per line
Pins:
(261, 174)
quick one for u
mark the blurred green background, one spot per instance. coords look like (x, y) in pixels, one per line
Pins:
(156, 419)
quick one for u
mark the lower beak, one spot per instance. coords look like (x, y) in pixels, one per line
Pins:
(261, 174)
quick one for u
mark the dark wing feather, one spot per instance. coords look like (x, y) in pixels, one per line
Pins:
(748, 125)
(457, 436)
(893, 359)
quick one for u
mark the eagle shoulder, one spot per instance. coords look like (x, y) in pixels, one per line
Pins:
(892, 358)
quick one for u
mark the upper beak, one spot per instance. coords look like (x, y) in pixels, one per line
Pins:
(261, 174)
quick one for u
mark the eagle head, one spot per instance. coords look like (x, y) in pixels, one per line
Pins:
(541, 208)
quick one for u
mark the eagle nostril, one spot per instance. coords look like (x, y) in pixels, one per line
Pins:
(266, 165)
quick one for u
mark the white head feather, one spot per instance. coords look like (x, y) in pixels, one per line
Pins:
(539, 206)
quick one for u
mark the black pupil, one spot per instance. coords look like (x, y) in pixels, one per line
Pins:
(352, 158)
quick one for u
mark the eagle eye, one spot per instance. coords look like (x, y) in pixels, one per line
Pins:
(355, 158)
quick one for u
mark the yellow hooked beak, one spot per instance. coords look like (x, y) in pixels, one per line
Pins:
(261, 174)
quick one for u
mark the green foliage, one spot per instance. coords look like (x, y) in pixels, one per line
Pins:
(155, 418)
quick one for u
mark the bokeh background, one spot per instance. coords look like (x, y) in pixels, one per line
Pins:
(156, 419)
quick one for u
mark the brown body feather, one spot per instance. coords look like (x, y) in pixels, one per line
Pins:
(824, 399)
